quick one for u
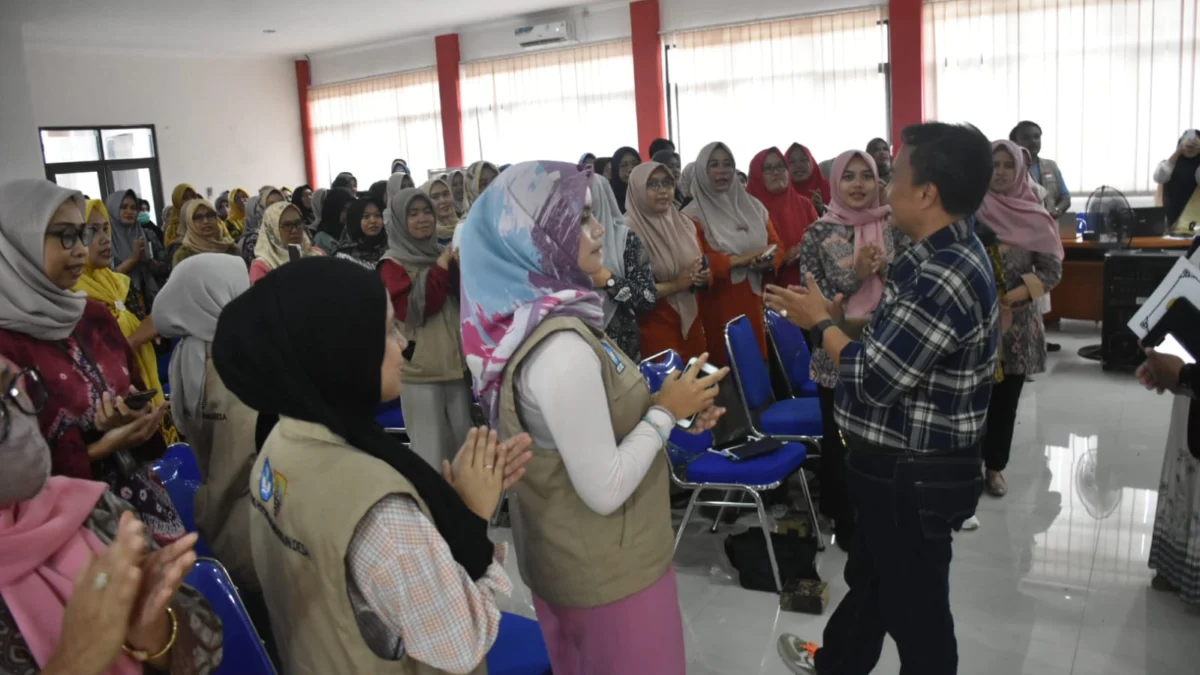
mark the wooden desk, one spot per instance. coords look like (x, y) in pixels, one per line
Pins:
(1080, 294)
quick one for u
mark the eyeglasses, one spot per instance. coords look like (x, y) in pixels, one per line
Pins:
(664, 184)
(291, 226)
(206, 218)
(775, 168)
(27, 392)
(70, 236)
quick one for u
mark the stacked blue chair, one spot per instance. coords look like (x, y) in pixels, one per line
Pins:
(696, 467)
(792, 419)
(244, 653)
(791, 352)
(391, 418)
(519, 649)
(180, 475)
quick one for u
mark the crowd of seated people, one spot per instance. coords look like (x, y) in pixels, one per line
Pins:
(522, 295)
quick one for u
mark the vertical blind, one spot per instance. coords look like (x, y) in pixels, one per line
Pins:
(550, 105)
(1112, 83)
(816, 80)
(362, 126)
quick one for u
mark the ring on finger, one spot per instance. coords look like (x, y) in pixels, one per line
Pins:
(100, 582)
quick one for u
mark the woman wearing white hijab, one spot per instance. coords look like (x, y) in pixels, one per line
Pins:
(738, 239)
(626, 282)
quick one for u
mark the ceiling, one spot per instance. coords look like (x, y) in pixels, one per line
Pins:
(236, 26)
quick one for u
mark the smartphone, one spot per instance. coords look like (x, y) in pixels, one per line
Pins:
(139, 400)
(703, 268)
(769, 253)
(293, 252)
(708, 369)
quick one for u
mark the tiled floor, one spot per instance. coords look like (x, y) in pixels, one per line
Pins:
(1054, 583)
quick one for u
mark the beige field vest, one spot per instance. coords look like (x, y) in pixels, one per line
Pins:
(309, 490)
(568, 554)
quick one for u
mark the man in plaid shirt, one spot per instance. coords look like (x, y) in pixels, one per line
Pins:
(914, 381)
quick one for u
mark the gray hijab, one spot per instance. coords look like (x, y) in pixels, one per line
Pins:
(318, 200)
(29, 303)
(188, 308)
(416, 255)
(123, 238)
(395, 184)
(606, 210)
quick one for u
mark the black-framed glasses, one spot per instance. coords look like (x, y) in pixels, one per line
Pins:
(664, 184)
(206, 218)
(291, 226)
(71, 236)
(775, 168)
(27, 392)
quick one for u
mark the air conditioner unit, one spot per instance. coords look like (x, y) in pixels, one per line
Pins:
(545, 34)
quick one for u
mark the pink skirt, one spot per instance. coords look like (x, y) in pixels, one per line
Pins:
(641, 634)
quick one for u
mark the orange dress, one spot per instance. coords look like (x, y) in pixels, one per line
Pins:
(725, 301)
(662, 329)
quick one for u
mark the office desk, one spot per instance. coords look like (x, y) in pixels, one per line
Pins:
(1080, 294)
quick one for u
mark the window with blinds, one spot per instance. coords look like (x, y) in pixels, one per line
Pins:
(362, 126)
(1112, 83)
(819, 80)
(550, 105)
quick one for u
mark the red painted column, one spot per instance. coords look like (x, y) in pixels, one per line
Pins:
(303, 81)
(648, 92)
(446, 47)
(907, 58)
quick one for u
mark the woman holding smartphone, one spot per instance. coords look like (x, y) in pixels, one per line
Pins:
(591, 519)
(741, 246)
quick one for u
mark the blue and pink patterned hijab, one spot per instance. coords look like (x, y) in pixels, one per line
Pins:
(519, 256)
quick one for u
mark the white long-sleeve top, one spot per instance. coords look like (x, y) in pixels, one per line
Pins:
(1165, 168)
(564, 407)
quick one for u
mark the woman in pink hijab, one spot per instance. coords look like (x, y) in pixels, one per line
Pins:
(847, 251)
(83, 588)
(1033, 254)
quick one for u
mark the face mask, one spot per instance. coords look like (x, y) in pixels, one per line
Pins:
(26, 458)
(143, 217)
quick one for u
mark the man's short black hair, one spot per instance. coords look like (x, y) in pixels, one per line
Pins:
(1023, 124)
(661, 144)
(956, 158)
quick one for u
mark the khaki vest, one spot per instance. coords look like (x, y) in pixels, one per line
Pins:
(568, 554)
(438, 356)
(224, 449)
(1049, 180)
(309, 490)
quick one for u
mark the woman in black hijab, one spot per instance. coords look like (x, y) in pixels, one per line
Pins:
(332, 228)
(365, 233)
(345, 180)
(1179, 177)
(623, 162)
(378, 193)
(329, 480)
(302, 199)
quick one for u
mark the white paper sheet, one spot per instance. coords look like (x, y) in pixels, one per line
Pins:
(1183, 281)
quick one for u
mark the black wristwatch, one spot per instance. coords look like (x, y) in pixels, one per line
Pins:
(1185, 379)
(818, 333)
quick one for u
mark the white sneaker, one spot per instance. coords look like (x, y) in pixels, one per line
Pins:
(797, 654)
(970, 524)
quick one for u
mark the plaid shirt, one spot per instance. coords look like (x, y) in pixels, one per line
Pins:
(921, 376)
(411, 597)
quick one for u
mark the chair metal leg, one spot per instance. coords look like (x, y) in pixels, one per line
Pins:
(720, 512)
(687, 514)
(762, 520)
(812, 511)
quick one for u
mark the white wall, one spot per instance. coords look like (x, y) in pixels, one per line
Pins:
(678, 15)
(221, 122)
(396, 56)
(20, 150)
(595, 23)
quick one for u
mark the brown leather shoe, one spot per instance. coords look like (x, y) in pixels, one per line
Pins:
(996, 485)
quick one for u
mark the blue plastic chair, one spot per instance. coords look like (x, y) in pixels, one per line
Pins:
(244, 653)
(390, 416)
(695, 468)
(792, 354)
(792, 419)
(180, 475)
(520, 648)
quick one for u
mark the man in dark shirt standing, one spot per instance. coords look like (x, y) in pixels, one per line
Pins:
(914, 381)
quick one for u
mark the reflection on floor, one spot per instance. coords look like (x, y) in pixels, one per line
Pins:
(1054, 583)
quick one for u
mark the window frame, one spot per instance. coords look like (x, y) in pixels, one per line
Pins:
(106, 167)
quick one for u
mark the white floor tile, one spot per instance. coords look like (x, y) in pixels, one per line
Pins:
(1054, 583)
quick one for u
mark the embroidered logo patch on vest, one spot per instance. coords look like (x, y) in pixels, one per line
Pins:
(266, 482)
(614, 357)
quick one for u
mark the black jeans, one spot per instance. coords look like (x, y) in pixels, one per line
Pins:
(899, 563)
(835, 497)
(1001, 419)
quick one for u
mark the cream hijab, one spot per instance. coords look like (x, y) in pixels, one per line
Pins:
(270, 248)
(29, 302)
(734, 222)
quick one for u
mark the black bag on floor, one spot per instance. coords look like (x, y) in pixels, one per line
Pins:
(748, 554)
